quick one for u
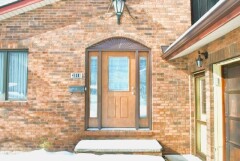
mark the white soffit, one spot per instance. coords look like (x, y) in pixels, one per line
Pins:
(26, 8)
(221, 31)
(4, 2)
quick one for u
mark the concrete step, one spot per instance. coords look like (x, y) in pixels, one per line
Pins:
(148, 147)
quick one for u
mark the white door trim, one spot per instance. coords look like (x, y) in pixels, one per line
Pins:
(218, 109)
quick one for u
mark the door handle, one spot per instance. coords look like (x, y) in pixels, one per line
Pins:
(133, 90)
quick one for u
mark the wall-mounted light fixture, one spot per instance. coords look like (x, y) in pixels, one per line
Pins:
(199, 60)
(118, 7)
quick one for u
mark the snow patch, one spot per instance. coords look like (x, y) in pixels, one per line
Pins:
(42, 155)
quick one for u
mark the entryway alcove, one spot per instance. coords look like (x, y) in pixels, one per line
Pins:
(118, 82)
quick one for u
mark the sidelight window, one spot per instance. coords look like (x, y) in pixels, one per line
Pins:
(93, 86)
(143, 86)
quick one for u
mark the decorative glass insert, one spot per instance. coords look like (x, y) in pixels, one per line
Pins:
(93, 86)
(118, 74)
(2, 91)
(143, 86)
(17, 75)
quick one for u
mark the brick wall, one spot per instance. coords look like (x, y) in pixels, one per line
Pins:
(222, 49)
(57, 36)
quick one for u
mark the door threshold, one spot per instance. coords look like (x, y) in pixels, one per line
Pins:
(118, 129)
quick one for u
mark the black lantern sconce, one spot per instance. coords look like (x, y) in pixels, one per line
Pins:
(199, 60)
(118, 7)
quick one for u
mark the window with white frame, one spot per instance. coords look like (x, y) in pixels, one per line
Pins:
(13, 75)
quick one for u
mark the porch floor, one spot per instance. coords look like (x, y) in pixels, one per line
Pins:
(118, 146)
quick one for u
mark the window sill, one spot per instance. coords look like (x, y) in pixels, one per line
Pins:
(13, 102)
(118, 129)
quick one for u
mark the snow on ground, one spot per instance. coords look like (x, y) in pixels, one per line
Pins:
(42, 155)
(191, 158)
(182, 157)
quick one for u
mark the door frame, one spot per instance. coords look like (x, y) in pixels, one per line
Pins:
(131, 46)
(219, 144)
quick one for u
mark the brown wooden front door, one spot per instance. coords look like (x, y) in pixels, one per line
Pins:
(231, 89)
(118, 89)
